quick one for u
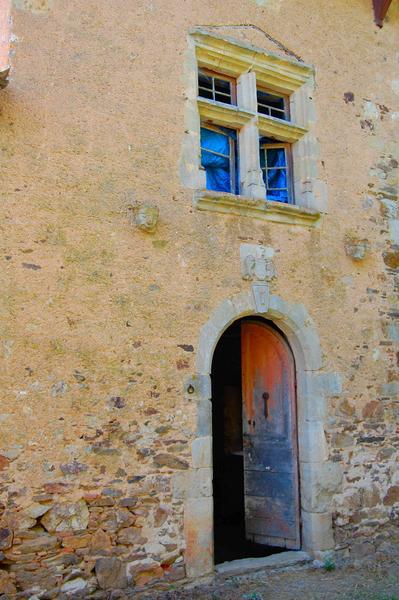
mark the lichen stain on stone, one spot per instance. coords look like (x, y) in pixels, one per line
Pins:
(34, 6)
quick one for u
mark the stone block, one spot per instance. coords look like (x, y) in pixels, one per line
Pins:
(201, 450)
(390, 389)
(244, 304)
(66, 516)
(111, 573)
(198, 526)
(317, 533)
(360, 550)
(196, 483)
(319, 483)
(204, 418)
(201, 387)
(312, 442)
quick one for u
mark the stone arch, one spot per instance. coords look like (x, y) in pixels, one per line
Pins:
(320, 478)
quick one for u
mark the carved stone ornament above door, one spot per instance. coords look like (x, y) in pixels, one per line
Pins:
(257, 263)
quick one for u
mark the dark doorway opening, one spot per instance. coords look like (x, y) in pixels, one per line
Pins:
(230, 541)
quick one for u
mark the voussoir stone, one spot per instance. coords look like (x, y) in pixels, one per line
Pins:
(66, 516)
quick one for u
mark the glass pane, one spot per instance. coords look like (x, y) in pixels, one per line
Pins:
(205, 93)
(278, 114)
(262, 158)
(215, 159)
(272, 101)
(276, 178)
(221, 85)
(217, 171)
(278, 196)
(213, 140)
(276, 157)
(264, 110)
(204, 80)
(222, 98)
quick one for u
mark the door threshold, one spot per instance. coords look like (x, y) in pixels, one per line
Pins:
(291, 558)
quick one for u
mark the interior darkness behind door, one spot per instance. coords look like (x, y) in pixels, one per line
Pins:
(228, 472)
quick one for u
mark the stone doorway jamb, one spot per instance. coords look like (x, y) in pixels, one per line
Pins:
(320, 479)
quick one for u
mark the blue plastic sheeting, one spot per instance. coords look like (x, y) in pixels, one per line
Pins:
(276, 183)
(217, 166)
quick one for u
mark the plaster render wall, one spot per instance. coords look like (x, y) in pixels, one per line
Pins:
(101, 322)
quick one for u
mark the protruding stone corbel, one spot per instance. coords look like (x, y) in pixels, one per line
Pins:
(145, 216)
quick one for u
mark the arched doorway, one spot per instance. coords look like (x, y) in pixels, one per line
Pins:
(255, 449)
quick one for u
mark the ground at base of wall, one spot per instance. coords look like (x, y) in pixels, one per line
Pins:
(377, 582)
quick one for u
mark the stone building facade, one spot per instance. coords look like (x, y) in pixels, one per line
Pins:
(122, 273)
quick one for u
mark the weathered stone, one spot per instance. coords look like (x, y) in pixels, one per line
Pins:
(373, 410)
(74, 586)
(342, 440)
(168, 460)
(144, 571)
(36, 509)
(160, 516)
(4, 462)
(362, 549)
(392, 495)
(6, 537)
(111, 573)
(24, 522)
(117, 518)
(151, 575)
(356, 248)
(128, 502)
(73, 468)
(43, 542)
(131, 535)
(7, 585)
(175, 572)
(68, 516)
(76, 541)
(370, 496)
(100, 541)
(320, 481)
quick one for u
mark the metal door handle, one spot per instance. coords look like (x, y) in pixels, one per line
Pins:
(265, 397)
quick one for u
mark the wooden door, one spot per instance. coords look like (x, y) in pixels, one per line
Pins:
(269, 437)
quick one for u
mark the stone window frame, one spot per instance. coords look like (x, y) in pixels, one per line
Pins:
(251, 67)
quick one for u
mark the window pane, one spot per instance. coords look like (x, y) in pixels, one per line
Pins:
(269, 103)
(262, 159)
(204, 80)
(276, 179)
(278, 114)
(276, 157)
(215, 141)
(205, 93)
(222, 98)
(221, 85)
(215, 159)
(278, 196)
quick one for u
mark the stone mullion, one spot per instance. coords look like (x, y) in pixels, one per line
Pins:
(251, 180)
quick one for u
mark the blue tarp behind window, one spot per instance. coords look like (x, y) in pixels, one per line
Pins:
(275, 175)
(216, 158)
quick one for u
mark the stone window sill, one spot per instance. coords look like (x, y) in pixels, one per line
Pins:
(265, 210)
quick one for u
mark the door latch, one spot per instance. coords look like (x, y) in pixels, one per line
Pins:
(265, 397)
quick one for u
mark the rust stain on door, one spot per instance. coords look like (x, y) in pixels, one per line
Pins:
(269, 437)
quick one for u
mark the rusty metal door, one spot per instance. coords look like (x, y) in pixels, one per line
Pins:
(269, 437)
